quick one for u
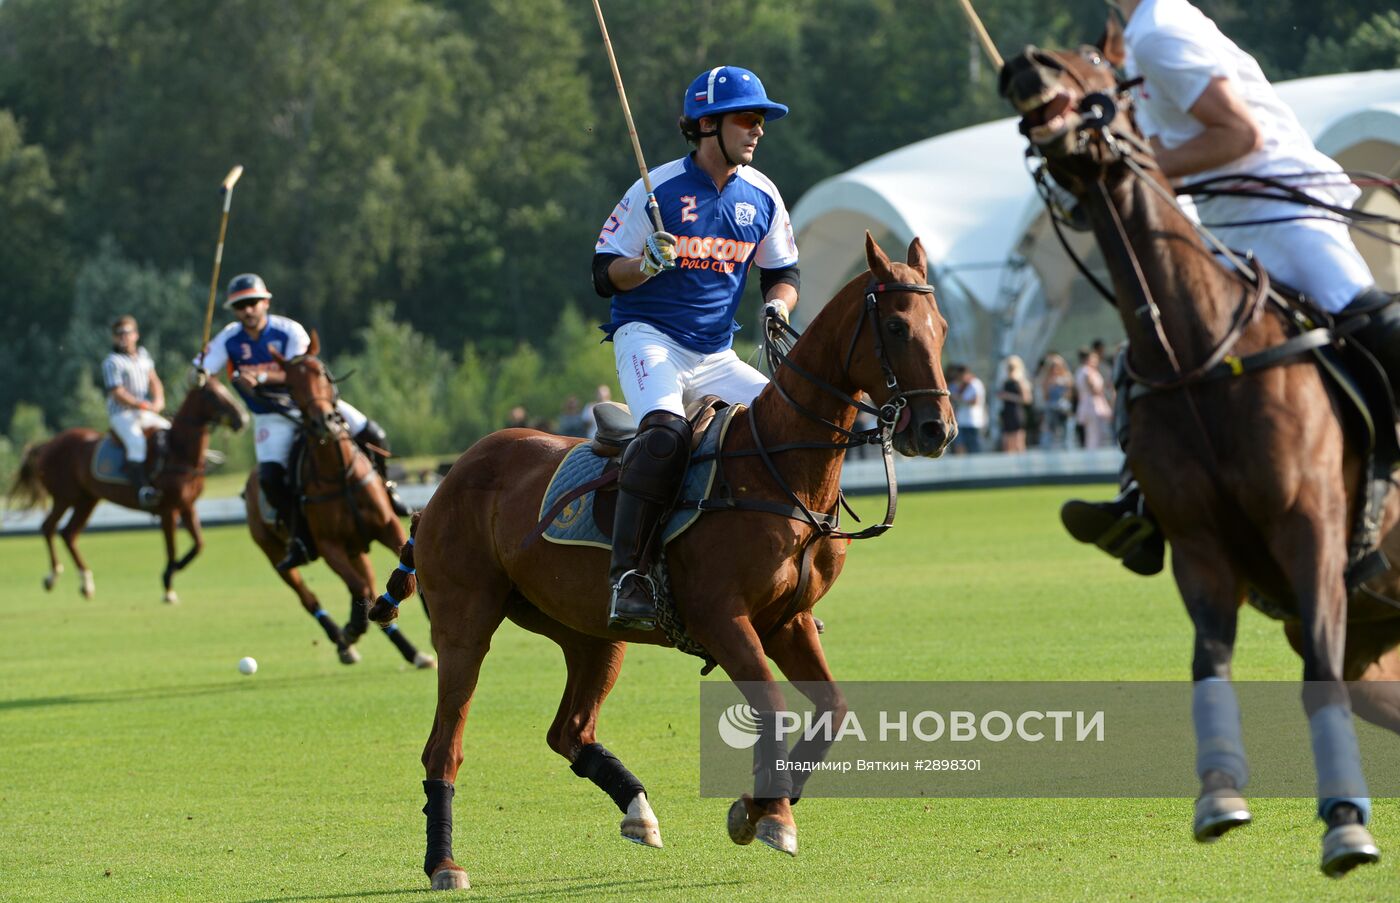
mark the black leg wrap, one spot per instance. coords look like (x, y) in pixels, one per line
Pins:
(331, 628)
(401, 643)
(607, 771)
(770, 783)
(808, 752)
(439, 812)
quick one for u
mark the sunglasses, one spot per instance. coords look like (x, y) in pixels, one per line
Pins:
(747, 119)
(245, 305)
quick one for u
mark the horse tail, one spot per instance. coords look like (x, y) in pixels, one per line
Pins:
(28, 492)
(403, 582)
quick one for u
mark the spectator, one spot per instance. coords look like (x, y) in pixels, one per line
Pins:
(571, 421)
(1094, 413)
(519, 418)
(1015, 398)
(1056, 400)
(970, 404)
(601, 394)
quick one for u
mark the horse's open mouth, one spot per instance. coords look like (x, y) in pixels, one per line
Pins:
(1049, 118)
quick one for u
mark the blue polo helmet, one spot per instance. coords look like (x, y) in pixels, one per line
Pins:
(729, 89)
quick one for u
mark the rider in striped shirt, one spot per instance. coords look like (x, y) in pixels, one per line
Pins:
(135, 398)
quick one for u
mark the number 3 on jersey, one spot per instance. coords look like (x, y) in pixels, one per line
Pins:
(688, 214)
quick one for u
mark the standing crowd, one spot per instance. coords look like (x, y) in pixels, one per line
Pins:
(1053, 408)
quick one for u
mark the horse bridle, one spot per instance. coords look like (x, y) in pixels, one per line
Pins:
(888, 413)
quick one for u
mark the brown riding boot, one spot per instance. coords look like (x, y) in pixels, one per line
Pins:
(653, 468)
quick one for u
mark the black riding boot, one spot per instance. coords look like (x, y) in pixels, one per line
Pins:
(273, 478)
(1124, 527)
(653, 468)
(147, 496)
(375, 443)
(1379, 333)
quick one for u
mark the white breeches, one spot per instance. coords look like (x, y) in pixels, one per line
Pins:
(130, 425)
(273, 434)
(657, 373)
(1317, 257)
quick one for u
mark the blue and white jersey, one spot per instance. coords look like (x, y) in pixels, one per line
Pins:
(233, 349)
(720, 233)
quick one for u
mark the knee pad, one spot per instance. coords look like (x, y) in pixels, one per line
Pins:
(373, 433)
(273, 479)
(655, 461)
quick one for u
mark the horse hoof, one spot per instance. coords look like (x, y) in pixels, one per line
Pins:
(1217, 812)
(349, 655)
(645, 831)
(424, 662)
(740, 828)
(171, 598)
(451, 879)
(773, 833)
(88, 587)
(1345, 847)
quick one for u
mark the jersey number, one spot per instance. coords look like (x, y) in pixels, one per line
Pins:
(688, 214)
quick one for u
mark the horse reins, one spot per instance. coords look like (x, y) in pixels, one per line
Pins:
(888, 414)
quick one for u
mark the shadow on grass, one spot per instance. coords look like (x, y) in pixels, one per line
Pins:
(529, 889)
(143, 694)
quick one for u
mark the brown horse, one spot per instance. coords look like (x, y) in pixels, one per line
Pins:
(346, 506)
(1252, 478)
(736, 575)
(62, 469)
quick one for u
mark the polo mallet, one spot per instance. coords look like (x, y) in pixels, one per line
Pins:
(652, 207)
(980, 29)
(226, 191)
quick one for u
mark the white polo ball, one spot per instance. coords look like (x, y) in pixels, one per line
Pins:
(247, 665)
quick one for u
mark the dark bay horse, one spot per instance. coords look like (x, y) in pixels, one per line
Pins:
(61, 468)
(1251, 477)
(735, 575)
(347, 508)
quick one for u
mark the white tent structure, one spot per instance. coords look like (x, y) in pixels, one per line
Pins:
(968, 197)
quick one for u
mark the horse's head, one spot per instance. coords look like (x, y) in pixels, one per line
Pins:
(313, 391)
(1074, 110)
(212, 403)
(896, 351)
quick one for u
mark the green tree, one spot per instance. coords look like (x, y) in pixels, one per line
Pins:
(34, 272)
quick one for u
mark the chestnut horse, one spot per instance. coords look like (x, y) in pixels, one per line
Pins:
(346, 507)
(1251, 477)
(736, 575)
(62, 469)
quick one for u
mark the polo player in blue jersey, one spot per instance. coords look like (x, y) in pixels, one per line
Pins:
(245, 349)
(674, 295)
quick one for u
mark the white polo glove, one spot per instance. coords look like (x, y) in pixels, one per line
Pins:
(660, 253)
(776, 308)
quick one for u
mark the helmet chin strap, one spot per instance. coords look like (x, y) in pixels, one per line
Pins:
(718, 135)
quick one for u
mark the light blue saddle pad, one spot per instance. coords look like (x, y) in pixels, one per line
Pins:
(574, 525)
(107, 461)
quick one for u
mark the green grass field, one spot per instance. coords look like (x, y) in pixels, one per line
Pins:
(136, 763)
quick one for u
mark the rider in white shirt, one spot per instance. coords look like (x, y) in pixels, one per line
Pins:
(1208, 111)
